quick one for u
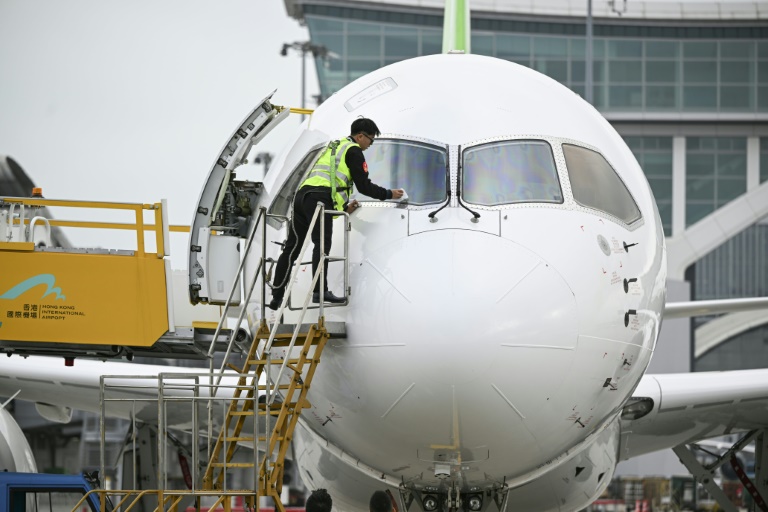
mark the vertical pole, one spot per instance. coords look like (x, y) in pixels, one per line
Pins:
(195, 434)
(133, 442)
(304, 50)
(256, 465)
(321, 300)
(102, 462)
(263, 214)
(139, 211)
(588, 71)
(160, 438)
(348, 225)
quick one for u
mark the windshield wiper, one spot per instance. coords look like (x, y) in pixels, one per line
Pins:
(448, 191)
(475, 215)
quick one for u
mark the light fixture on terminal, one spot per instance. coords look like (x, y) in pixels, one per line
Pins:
(636, 408)
(429, 503)
(475, 502)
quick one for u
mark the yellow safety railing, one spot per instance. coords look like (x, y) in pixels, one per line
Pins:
(75, 296)
(138, 208)
(130, 500)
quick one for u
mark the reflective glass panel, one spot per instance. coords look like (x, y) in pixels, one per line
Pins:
(700, 71)
(596, 185)
(736, 71)
(578, 71)
(625, 71)
(557, 69)
(401, 45)
(512, 46)
(735, 97)
(694, 212)
(418, 168)
(700, 50)
(626, 96)
(431, 42)
(364, 46)
(696, 96)
(661, 49)
(660, 96)
(550, 46)
(508, 172)
(762, 98)
(737, 50)
(482, 44)
(620, 48)
(661, 71)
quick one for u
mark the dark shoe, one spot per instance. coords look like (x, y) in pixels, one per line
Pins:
(274, 304)
(329, 297)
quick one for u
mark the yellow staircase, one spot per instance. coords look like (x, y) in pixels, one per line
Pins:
(285, 412)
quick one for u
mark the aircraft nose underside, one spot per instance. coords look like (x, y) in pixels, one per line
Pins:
(453, 307)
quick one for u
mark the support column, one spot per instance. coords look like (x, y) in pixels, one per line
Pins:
(753, 162)
(678, 186)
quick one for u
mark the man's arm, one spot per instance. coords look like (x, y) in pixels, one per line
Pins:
(359, 171)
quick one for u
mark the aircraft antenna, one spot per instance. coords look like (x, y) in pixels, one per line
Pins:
(456, 27)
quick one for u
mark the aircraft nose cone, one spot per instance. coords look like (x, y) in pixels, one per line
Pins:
(463, 295)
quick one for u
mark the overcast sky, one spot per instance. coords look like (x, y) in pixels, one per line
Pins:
(131, 101)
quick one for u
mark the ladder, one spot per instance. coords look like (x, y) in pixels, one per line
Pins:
(285, 412)
(268, 395)
(284, 394)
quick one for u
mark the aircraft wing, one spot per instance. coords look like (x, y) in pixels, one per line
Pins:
(50, 384)
(691, 406)
(711, 307)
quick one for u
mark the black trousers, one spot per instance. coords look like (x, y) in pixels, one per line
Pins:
(303, 209)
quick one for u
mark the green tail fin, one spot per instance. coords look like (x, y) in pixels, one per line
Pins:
(456, 26)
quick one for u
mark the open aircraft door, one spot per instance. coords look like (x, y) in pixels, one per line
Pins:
(224, 210)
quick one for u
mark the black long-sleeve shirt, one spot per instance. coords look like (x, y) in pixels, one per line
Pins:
(359, 171)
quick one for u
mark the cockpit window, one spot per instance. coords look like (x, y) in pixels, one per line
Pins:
(596, 185)
(506, 172)
(420, 169)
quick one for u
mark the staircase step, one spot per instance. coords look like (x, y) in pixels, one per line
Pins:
(263, 387)
(336, 330)
(232, 464)
(239, 438)
(254, 362)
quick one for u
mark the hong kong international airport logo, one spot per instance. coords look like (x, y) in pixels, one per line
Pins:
(33, 311)
(49, 280)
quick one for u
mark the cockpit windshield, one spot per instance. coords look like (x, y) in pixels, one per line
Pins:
(596, 185)
(512, 171)
(420, 169)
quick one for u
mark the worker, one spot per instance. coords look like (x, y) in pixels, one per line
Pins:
(380, 502)
(331, 181)
(319, 501)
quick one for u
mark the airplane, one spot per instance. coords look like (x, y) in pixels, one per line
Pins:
(498, 325)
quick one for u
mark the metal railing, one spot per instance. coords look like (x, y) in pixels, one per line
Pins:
(174, 389)
(160, 227)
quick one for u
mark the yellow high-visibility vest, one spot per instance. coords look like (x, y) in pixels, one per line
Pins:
(331, 170)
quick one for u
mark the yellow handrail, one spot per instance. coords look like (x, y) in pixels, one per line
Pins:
(139, 226)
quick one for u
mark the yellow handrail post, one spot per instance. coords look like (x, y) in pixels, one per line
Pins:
(159, 242)
(139, 230)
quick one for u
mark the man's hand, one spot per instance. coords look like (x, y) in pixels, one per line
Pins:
(352, 206)
(397, 193)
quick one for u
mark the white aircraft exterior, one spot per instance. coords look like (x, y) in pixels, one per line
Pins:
(495, 352)
(486, 357)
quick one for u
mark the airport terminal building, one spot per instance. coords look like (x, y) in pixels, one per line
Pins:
(685, 84)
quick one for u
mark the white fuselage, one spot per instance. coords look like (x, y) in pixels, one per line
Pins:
(497, 352)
